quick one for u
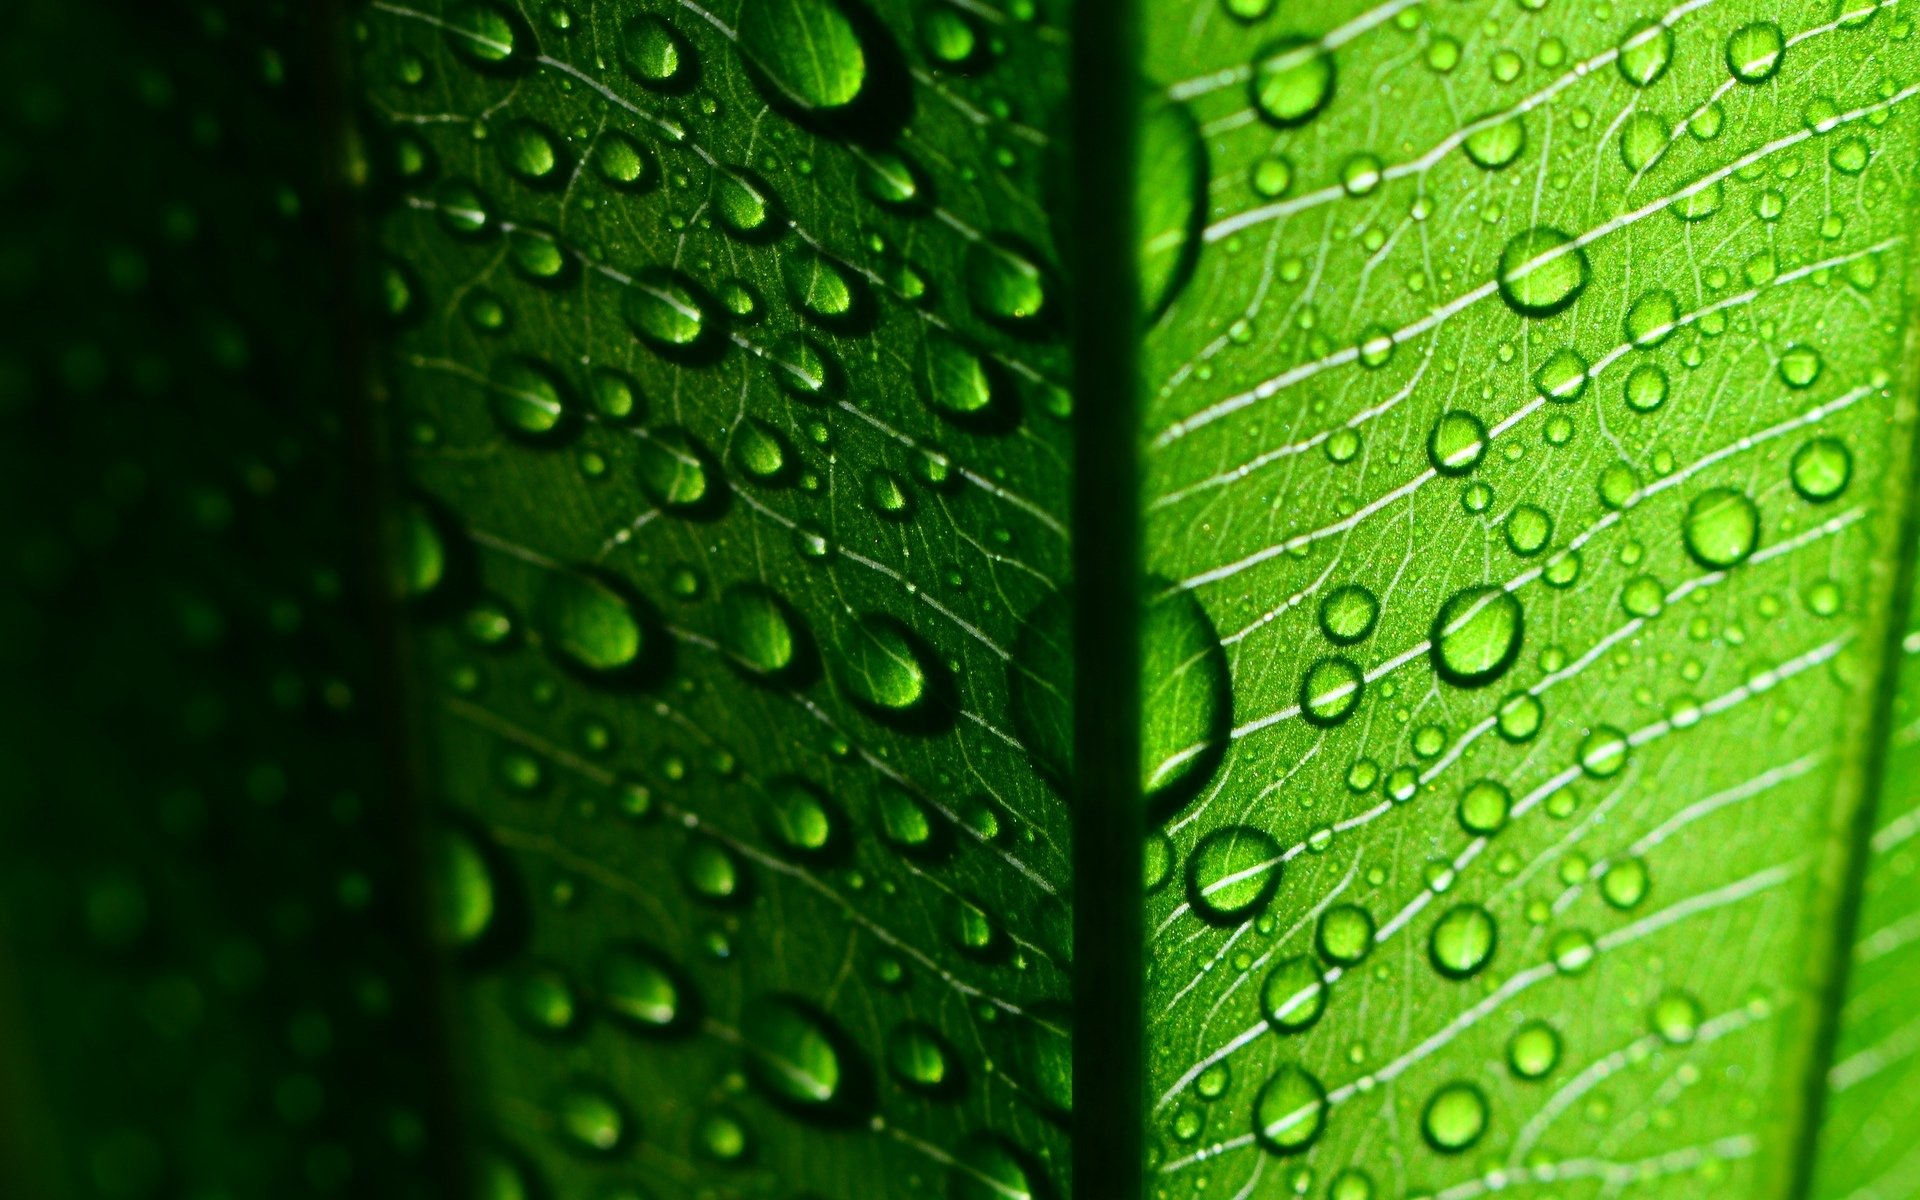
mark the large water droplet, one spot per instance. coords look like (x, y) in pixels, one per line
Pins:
(806, 50)
(1348, 613)
(1484, 808)
(957, 381)
(918, 1058)
(1542, 271)
(1821, 469)
(1457, 443)
(1477, 636)
(987, 1168)
(1646, 49)
(526, 399)
(796, 815)
(482, 33)
(591, 1117)
(792, 1053)
(638, 987)
(1455, 1118)
(672, 468)
(1345, 934)
(419, 552)
(1292, 80)
(1232, 873)
(757, 630)
(1003, 283)
(463, 889)
(1496, 144)
(1289, 1111)
(665, 311)
(882, 666)
(1293, 995)
(1169, 201)
(587, 623)
(1331, 691)
(654, 52)
(1754, 51)
(1184, 696)
(1721, 528)
(1463, 941)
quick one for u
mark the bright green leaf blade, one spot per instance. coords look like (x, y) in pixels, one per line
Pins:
(730, 372)
(1868, 1136)
(1535, 396)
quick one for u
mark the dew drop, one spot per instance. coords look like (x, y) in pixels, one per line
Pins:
(1542, 271)
(1345, 934)
(1169, 202)
(807, 50)
(1800, 366)
(1477, 636)
(917, 1057)
(639, 989)
(590, 1116)
(1563, 377)
(526, 399)
(1455, 1118)
(665, 311)
(1676, 1018)
(957, 382)
(1645, 388)
(1721, 528)
(882, 667)
(1003, 283)
(1625, 883)
(1646, 50)
(1293, 995)
(1484, 807)
(1232, 873)
(1348, 614)
(1652, 318)
(1821, 469)
(653, 51)
(1497, 143)
(792, 1054)
(1289, 1111)
(586, 623)
(1457, 442)
(1292, 80)
(986, 1168)
(672, 468)
(464, 894)
(1754, 51)
(1533, 1050)
(1463, 940)
(1528, 529)
(1331, 691)
(756, 629)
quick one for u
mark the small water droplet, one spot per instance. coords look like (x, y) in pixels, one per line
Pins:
(1476, 636)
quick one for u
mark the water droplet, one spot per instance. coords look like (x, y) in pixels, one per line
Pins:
(639, 988)
(654, 52)
(904, 821)
(1646, 50)
(1457, 443)
(1542, 271)
(1643, 140)
(918, 1058)
(1184, 687)
(543, 999)
(1821, 469)
(721, 1137)
(882, 665)
(759, 451)
(743, 203)
(1484, 808)
(1232, 873)
(792, 1053)
(1563, 377)
(1169, 201)
(1572, 950)
(711, 872)
(1345, 935)
(988, 1169)
(1455, 1118)
(1294, 994)
(797, 816)
(1645, 388)
(957, 381)
(1625, 883)
(1348, 613)
(1331, 691)
(1754, 51)
(1519, 717)
(1721, 528)
(1496, 144)
(891, 179)
(819, 287)
(1003, 283)
(482, 33)
(1463, 939)
(1292, 80)
(587, 623)
(1603, 752)
(1652, 319)
(623, 162)
(1533, 1050)
(1528, 530)
(464, 896)
(1289, 1111)
(672, 468)
(1477, 636)
(665, 311)
(528, 151)
(526, 399)
(419, 552)
(1676, 1018)
(757, 630)
(807, 50)
(591, 1117)
(1800, 366)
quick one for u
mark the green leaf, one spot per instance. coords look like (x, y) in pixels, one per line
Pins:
(1329, 577)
